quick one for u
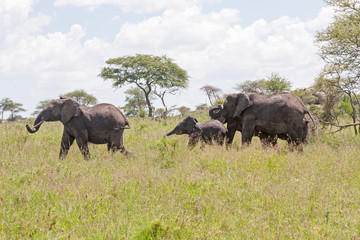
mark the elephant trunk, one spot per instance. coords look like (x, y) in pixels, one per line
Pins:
(171, 133)
(38, 121)
(214, 112)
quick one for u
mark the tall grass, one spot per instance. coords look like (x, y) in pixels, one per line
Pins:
(169, 192)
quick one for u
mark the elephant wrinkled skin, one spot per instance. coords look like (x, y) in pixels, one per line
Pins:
(100, 124)
(268, 117)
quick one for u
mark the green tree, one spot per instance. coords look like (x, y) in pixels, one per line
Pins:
(82, 97)
(15, 109)
(135, 101)
(183, 110)
(147, 72)
(5, 105)
(8, 105)
(256, 86)
(276, 84)
(340, 49)
(271, 85)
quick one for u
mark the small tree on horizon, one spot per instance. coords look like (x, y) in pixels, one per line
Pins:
(276, 84)
(271, 85)
(82, 97)
(213, 93)
(183, 110)
(8, 105)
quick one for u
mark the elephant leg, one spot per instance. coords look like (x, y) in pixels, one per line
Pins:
(207, 140)
(66, 142)
(247, 134)
(230, 136)
(268, 140)
(83, 146)
(116, 144)
(219, 139)
(193, 140)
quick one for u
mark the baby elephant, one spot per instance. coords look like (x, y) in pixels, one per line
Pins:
(206, 132)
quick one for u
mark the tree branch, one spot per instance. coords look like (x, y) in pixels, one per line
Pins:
(341, 127)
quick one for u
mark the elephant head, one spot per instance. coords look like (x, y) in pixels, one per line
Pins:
(233, 106)
(187, 126)
(62, 109)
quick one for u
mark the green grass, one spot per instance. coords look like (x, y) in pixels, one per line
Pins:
(169, 192)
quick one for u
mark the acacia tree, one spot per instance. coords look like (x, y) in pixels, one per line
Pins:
(145, 71)
(276, 84)
(339, 46)
(14, 110)
(82, 97)
(212, 93)
(8, 105)
(183, 110)
(5, 105)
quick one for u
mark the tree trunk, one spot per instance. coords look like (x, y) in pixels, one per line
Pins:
(165, 107)
(354, 112)
(148, 103)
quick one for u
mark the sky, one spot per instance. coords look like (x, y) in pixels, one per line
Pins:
(51, 47)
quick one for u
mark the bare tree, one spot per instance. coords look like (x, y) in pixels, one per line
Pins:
(161, 94)
(213, 93)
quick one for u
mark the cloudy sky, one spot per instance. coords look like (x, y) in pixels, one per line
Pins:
(50, 47)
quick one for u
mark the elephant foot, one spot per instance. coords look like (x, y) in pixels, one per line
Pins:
(127, 153)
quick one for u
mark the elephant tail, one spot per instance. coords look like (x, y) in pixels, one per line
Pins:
(126, 126)
(127, 123)
(308, 112)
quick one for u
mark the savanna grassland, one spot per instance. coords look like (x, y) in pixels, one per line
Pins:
(169, 192)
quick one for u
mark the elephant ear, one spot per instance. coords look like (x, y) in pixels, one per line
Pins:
(70, 108)
(190, 123)
(243, 102)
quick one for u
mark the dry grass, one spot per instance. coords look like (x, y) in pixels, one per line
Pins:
(169, 192)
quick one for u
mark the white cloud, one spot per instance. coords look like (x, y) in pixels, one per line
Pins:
(187, 30)
(138, 6)
(216, 51)
(13, 11)
(322, 20)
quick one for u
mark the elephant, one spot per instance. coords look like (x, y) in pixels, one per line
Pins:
(99, 124)
(268, 117)
(205, 132)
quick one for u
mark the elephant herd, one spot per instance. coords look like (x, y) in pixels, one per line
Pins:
(268, 117)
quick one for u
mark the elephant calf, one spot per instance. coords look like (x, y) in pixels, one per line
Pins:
(206, 132)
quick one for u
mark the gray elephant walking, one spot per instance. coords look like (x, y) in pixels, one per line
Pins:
(269, 117)
(204, 132)
(100, 124)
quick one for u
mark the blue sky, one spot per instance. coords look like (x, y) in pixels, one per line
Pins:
(48, 48)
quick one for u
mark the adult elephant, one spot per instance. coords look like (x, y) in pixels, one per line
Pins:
(100, 124)
(269, 117)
